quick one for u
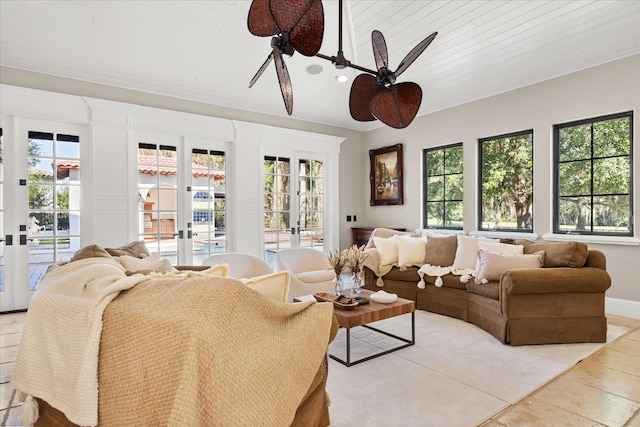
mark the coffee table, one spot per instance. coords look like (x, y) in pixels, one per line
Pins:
(372, 312)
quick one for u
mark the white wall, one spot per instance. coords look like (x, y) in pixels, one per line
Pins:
(601, 90)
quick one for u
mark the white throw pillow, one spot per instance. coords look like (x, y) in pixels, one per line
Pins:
(500, 248)
(411, 250)
(387, 250)
(467, 252)
(492, 265)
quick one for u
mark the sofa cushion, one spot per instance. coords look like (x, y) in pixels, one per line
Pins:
(410, 274)
(489, 290)
(491, 266)
(316, 276)
(275, 285)
(441, 250)
(387, 250)
(558, 254)
(136, 249)
(411, 250)
(91, 251)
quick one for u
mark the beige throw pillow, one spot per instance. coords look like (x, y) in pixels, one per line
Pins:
(136, 249)
(91, 251)
(441, 250)
(491, 265)
(558, 254)
(274, 285)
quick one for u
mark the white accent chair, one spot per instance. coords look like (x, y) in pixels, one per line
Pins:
(241, 265)
(310, 270)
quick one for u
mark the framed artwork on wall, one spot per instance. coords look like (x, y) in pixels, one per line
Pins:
(386, 175)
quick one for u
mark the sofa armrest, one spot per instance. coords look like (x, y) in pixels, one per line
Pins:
(596, 259)
(553, 281)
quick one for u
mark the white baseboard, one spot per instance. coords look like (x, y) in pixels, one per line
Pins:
(622, 307)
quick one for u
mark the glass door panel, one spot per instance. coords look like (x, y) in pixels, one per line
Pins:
(53, 228)
(310, 203)
(294, 210)
(277, 206)
(208, 204)
(158, 199)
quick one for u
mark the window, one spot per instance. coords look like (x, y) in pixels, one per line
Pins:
(593, 176)
(443, 187)
(506, 182)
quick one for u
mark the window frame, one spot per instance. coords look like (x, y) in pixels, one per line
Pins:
(556, 174)
(425, 185)
(480, 218)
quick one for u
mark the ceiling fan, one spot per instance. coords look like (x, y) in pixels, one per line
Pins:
(296, 25)
(374, 94)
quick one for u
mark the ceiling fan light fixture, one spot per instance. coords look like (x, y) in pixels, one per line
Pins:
(314, 69)
(298, 25)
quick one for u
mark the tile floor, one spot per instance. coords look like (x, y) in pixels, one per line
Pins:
(602, 390)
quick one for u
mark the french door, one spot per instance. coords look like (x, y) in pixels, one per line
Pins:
(40, 203)
(294, 201)
(182, 198)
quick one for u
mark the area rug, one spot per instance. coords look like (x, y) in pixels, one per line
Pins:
(455, 375)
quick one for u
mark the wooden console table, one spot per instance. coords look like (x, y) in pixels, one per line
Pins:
(361, 235)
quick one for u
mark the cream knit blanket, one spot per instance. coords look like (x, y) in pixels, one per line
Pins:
(58, 356)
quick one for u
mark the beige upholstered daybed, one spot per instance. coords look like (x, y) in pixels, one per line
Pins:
(101, 347)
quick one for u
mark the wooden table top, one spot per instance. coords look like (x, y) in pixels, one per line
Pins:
(372, 312)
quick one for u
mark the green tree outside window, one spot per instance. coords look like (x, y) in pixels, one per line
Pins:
(443, 194)
(506, 177)
(593, 176)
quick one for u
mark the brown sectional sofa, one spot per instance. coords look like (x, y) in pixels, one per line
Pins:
(553, 304)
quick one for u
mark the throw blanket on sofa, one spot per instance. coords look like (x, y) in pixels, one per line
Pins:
(203, 351)
(58, 355)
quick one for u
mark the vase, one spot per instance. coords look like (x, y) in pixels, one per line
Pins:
(357, 283)
(338, 288)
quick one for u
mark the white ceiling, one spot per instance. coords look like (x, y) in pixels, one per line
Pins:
(203, 51)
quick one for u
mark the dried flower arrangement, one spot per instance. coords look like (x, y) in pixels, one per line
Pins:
(355, 257)
(337, 261)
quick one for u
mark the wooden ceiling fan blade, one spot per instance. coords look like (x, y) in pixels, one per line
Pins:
(264, 66)
(364, 87)
(397, 105)
(415, 52)
(260, 21)
(284, 80)
(380, 52)
(303, 20)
